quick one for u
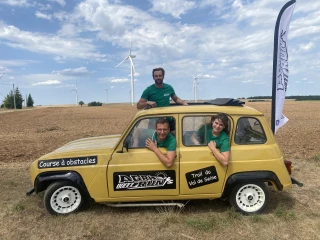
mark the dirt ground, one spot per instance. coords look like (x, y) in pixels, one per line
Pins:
(25, 135)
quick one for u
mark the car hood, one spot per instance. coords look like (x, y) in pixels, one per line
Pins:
(85, 147)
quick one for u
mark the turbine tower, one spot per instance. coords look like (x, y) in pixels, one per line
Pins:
(76, 90)
(130, 56)
(195, 87)
(107, 94)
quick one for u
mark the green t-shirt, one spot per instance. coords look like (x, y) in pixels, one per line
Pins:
(222, 141)
(169, 143)
(159, 95)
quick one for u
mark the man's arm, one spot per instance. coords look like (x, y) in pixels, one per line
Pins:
(143, 103)
(167, 159)
(178, 100)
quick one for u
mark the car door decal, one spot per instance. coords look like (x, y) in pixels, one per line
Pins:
(202, 177)
(142, 180)
(68, 162)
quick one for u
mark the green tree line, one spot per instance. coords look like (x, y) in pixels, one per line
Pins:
(296, 97)
(14, 98)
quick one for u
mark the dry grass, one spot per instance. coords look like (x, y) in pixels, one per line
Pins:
(26, 135)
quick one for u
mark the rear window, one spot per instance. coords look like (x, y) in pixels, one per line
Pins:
(249, 131)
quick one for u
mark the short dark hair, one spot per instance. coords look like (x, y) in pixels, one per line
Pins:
(162, 121)
(158, 69)
(224, 119)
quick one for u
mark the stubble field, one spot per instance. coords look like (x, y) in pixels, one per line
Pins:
(26, 135)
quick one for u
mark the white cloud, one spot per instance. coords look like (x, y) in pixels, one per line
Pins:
(18, 3)
(304, 80)
(4, 70)
(68, 30)
(60, 2)
(114, 80)
(78, 48)
(81, 71)
(307, 47)
(172, 7)
(43, 15)
(48, 82)
(16, 62)
(119, 80)
(208, 76)
(136, 74)
(44, 7)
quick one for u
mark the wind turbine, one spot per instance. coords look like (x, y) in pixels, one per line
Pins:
(76, 90)
(130, 56)
(195, 87)
(107, 94)
(129, 93)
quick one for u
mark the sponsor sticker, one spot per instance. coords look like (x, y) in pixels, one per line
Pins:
(142, 180)
(68, 162)
(202, 177)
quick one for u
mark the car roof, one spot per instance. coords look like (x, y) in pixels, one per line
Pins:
(201, 108)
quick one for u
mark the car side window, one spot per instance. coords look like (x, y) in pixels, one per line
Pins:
(249, 131)
(195, 129)
(144, 129)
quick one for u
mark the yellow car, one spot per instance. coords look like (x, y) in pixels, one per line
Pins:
(119, 170)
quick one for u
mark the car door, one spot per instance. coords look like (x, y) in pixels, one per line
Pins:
(200, 171)
(137, 171)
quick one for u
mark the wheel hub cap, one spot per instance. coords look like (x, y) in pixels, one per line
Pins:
(65, 199)
(250, 198)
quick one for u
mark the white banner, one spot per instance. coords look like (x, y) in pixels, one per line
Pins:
(280, 65)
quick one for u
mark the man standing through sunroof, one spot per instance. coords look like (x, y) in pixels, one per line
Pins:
(159, 93)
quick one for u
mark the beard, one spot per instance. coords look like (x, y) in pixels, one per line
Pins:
(158, 81)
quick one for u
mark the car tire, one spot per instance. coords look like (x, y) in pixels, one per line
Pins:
(63, 197)
(250, 197)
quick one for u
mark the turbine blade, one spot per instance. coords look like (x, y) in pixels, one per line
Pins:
(132, 64)
(122, 61)
(192, 75)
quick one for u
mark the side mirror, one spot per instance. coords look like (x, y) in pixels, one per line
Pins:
(125, 145)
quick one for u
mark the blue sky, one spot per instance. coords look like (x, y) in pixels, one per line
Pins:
(49, 46)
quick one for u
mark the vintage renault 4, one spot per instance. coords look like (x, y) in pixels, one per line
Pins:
(119, 170)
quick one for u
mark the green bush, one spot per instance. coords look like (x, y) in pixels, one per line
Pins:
(92, 104)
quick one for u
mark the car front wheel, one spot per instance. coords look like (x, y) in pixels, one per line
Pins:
(249, 198)
(63, 197)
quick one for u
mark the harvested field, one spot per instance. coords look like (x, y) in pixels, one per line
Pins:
(26, 135)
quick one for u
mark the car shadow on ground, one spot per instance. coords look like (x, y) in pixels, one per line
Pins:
(191, 206)
(280, 199)
(277, 200)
